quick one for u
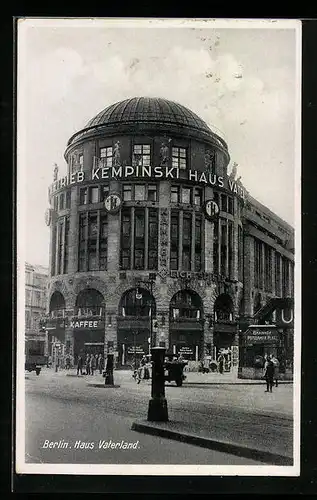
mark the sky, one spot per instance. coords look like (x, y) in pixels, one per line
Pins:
(240, 77)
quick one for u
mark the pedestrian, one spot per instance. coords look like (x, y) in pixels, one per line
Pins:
(93, 364)
(269, 373)
(67, 362)
(276, 364)
(100, 363)
(220, 362)
(80, 363)
(88, 364)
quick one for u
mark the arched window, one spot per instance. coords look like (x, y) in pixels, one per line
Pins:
(186, 304)
(90, 302)
(223, 308)
(137, 302)
(57, 305)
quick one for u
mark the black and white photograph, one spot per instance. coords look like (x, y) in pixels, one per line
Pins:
(158, 246)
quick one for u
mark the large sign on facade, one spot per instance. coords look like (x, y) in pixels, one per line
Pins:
(150, 172)
(261, 336)
(87, 324)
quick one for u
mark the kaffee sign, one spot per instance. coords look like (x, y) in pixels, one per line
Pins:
(150, 172)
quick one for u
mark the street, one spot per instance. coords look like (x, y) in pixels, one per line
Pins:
(70, 421)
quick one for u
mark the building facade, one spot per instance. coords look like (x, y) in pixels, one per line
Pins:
(36, 282)
(154, 243)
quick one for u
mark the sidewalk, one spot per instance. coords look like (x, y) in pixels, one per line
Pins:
(225, 378)
(239, 445)
(192, 378)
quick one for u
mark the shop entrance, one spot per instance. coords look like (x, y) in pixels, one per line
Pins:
(136, 311)
(132, 346)
(88, 342)
(186, 325)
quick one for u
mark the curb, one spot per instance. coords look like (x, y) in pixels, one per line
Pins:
(213, 444)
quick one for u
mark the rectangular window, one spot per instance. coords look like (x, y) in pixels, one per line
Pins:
(83, 196)
(240, 255)
(267, 269)
(82, 242)
(139, 192)
(68, 198)
(223, 248)
(198, 196)
(153, 239)
(92, 241)
(139, 259)
(179, 157)
(198, 243)
(55, 203)
(93, 227)
(224, 200)
(53, 262)
(230, 205)
(81, 162)
(142, 155)
(152, 192)
(60, 249)
(103, 241)
(215, 247)
(28, 296)
(106, 156)
(104, 191)
(94, 194)
(174, 194)
(186, 195)
(127, 192)
(285, 276)
(256, 263)
(126, 239)
(230, 248)
(139, 239)
(28, 319)
(174, 240)
(187, 238)
(66, 246)
(61, 201)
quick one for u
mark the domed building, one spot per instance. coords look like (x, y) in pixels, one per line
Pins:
(153, 243)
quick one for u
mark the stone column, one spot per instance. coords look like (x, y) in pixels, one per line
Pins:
(114, 222)
(209, 246)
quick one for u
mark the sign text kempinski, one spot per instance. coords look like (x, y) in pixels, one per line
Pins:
(158, 172)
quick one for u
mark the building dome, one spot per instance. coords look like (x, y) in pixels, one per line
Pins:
(144, 113)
